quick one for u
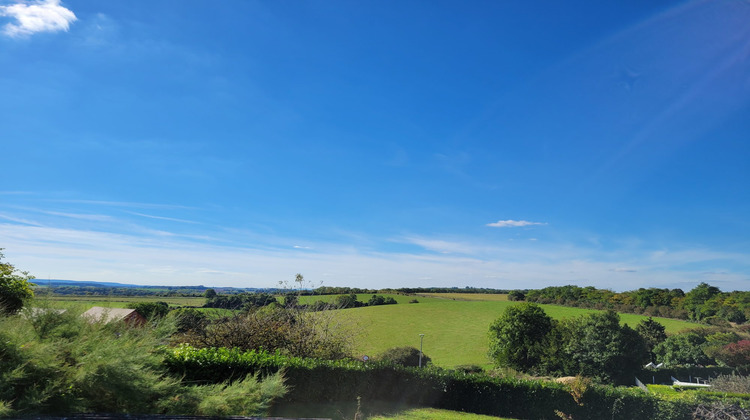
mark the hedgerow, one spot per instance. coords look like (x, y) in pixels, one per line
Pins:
(329, 382)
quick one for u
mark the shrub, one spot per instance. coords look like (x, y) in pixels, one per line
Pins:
(720, 410)
(734, 354)
(731, 383)
(683, 349)
(469, 369)
(151, 310)
(189, 320)
(376, 300)
(15, 287)
(291, 330)
(246, 397)
(57, 363)
(516, 295)
(404, 356)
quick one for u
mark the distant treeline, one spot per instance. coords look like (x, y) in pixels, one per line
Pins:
(164, 291)
(68, 287)
(333, 290)
(704, 303)
(246, 301)
(467, 289)
(121, 291)
(327, 290)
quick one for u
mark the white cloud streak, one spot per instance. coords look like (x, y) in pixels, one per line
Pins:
(87, 245)
(513, 223)
(77, 254)
(170, 219)
(36, 16)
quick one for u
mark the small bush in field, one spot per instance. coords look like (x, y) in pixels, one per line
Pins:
(404, 356)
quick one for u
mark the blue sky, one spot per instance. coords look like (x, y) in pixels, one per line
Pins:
(513, 144)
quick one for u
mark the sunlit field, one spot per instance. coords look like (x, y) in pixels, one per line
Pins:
(64, 301)
(455, 331)
(434, 414)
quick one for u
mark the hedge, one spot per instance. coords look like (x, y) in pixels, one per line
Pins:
(315, 381)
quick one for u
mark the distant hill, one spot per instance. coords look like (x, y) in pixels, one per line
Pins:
(57, 282)
(74, 287)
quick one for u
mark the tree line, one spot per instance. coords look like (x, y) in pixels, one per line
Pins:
(247, 301)
(704, 303)
(596, 345)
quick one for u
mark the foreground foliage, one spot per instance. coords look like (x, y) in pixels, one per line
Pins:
(58, 363)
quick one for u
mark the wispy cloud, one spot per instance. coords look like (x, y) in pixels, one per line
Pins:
(443, 246)
(513, 223)
(36, 16)
(170, 219)
(18, 220)
(171, 259)
(624, 270)
(123, 204)
(81, 216)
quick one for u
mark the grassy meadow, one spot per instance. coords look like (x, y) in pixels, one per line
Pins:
(455, 330)
(67, 301)
(434, 414)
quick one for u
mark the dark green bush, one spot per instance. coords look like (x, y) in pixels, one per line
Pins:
(516, 295)
(151, 310)
(404, 356)
(469, 368)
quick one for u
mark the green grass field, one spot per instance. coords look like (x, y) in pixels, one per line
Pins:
(66, 301)
(434, 414)
(455, 330)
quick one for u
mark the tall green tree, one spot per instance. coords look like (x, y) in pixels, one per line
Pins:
(697, 304)
(347, 301)
(518, 338)
(653, 334)
(683, 350)
(596, 345)
(15, 287)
